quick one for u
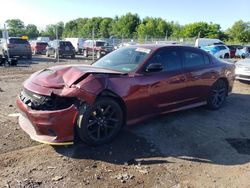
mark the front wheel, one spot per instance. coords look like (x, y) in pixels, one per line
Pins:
(100, 123)
(217, 95)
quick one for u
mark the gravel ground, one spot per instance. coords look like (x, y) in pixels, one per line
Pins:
(192, 148)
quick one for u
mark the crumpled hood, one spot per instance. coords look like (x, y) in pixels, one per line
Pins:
(60, 76)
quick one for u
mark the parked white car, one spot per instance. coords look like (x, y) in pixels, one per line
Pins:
(201, 42)
(242, 70)
(219, 51)
(77, 43)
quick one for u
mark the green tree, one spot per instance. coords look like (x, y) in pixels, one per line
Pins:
(125, 26)
(31, 31)
(154, 27)
(177, 30)
(15, 27)
(105, 25)
(239, 32)
(202, 29)
(71, 29)
(50, 30)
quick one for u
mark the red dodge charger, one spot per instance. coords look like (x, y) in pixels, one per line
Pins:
(129, 85)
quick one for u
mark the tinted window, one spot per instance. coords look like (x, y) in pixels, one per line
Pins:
(100, 43)
(17, 41)
(42, 43)
(170, 59)
(222, 47)
(65, 43)
(193, 59)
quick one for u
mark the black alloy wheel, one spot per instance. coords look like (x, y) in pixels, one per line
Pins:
(217, 95)
(100, 123)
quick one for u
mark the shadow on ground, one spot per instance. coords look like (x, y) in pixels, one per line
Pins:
(200, 135)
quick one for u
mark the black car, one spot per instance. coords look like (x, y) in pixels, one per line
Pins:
(60, 48)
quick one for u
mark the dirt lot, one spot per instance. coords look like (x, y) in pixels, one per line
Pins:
(193, 148)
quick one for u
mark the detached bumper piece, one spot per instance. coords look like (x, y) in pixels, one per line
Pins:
(47, 119)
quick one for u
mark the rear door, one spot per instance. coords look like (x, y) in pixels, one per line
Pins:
(199, 73)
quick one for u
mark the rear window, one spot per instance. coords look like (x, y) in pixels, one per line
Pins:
(193, 59)
(18, 41)
(100, 43)
(42, 43)
(231, 47)
(222, 47)
(65, 43)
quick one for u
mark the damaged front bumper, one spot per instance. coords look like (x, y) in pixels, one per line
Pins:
(45, 121)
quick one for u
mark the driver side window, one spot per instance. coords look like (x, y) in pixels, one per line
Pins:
(169, 58)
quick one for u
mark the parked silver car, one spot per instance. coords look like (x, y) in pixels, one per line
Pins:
(242, 70)
(16, 47)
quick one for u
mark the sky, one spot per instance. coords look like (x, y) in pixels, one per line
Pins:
(44, 12)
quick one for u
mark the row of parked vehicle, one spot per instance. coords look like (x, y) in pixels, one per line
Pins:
(220, 50)
(69, 48)
(57, 48)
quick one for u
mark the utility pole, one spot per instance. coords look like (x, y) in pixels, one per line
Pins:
(199, 34)
(6, 37)
(57, 44)
(166, 35)
(93, 38)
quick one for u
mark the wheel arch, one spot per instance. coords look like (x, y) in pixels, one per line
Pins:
(118, 99)
(224, 80)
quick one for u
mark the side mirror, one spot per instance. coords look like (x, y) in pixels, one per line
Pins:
(155, 67)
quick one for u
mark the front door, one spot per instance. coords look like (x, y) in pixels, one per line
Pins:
(167, 86)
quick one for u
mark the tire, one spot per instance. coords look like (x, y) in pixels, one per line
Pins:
(73, 56)
(55, 55)
(85, 53)
(217, 95)
(47, 54)
(99, 124)
(226, 56)
(98, 55)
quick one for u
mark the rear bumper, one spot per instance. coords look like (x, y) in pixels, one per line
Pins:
(50, 127)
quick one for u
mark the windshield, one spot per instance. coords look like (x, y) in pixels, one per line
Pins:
(123, 59)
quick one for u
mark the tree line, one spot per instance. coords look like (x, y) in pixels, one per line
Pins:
(131, 26)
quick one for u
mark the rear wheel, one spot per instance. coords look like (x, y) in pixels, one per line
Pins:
(217, 95)
(226, 56)
(73, 56)
(100, 123)
(47, 54)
